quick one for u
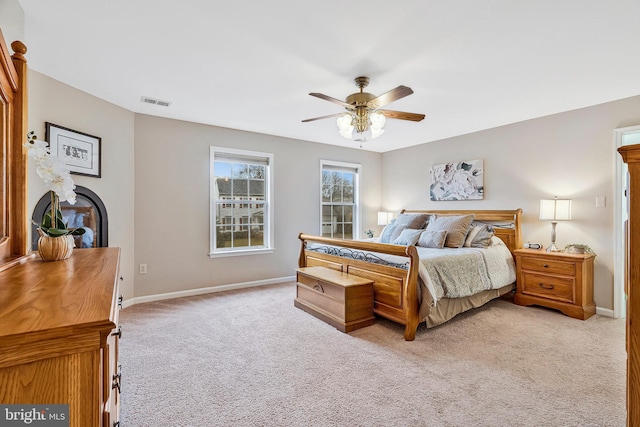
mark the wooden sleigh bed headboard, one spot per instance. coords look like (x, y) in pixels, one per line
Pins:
(506, 223)
(396, 287)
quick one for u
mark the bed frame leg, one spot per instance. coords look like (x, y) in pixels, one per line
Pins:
(410, 331)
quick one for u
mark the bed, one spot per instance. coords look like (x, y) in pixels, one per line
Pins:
(405, 281)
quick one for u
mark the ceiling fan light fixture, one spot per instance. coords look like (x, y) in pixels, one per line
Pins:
(377, 123)
(363, 111)
(376, 132)
(345, 126)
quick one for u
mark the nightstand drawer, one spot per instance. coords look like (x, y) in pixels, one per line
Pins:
(557, 288)
(549, 266)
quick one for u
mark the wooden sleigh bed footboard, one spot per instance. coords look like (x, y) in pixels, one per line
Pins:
(395, 284)
(395, 273)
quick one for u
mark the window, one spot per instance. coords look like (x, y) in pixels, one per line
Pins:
(241, 208)
(339, 200)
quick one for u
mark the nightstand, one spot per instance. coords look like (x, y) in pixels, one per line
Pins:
(556, 280)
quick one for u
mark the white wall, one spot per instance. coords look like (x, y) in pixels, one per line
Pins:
(11, 21)
(172, 203)
(55, 102)
(567, 155)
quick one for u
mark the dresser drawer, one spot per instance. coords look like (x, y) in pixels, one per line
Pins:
(548, 266)
(550, 287)
(322, 286)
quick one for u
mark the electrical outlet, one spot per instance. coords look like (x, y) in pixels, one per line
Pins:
(143, 268)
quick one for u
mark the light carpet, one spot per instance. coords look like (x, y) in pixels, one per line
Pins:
(250, 358)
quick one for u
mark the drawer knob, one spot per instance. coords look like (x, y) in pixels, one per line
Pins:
(318, 288)
(545, 265)
(543, 286)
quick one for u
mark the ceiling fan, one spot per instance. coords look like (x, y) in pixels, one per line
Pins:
(363, 110)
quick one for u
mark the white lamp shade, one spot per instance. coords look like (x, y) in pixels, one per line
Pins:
(555, 209)
(377, 123)
(384, 218)
(345, 126)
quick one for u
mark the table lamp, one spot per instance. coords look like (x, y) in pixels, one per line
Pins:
(555, 210)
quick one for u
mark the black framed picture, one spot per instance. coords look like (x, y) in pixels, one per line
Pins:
(79, 151)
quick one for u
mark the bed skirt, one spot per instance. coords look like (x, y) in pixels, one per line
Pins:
(447, 308)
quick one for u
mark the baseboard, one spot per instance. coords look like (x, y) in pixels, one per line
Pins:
(209, 290)
(604, 311)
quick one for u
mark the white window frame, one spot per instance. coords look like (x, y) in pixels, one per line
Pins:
(355, 167)
(241, 155)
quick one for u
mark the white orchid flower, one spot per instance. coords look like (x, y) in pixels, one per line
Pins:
(58, 181)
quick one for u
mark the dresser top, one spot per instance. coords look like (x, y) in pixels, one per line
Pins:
(40, 297)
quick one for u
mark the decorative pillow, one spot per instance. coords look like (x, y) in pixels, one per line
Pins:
(397, 231)
(471, 234)
(385, 236)
(408, 237)
(456, 227)
(482, 238)
(413, 221)
(432, 239)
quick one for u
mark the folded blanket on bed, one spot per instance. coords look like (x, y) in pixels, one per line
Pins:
(459, 276)
(458, 273)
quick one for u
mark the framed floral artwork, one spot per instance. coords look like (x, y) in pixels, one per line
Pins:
(79, 151)
(457, 180)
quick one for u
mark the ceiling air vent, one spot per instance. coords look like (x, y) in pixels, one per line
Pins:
(154, 101)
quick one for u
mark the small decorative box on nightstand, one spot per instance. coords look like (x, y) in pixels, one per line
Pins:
(342, 300)
(556, 280)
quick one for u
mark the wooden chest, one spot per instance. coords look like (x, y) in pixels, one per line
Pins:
(342, 300)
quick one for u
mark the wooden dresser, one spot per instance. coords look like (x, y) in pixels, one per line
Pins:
(556, 280)
(631, 155)
(59, 335)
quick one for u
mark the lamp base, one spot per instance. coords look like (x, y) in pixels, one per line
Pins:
(553, 248)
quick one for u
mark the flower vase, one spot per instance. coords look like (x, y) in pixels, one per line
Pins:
(55, 248)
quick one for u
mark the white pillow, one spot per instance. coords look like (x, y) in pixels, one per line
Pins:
(455, 225)
(408, 237)
(432, 239)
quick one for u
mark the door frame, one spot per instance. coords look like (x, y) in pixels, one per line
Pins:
(619, 209)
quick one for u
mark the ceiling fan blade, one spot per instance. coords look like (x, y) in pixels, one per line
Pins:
(392, 95)
(401, 115)
(323, 117)
(330, 99)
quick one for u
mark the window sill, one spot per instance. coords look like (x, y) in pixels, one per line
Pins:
(241, 252)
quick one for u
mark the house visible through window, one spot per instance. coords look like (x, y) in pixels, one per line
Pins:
(339, 200)
(241, 208)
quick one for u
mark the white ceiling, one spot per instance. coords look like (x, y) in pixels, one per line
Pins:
(473, 64)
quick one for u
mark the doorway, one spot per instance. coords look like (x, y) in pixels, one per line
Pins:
(623, 136)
